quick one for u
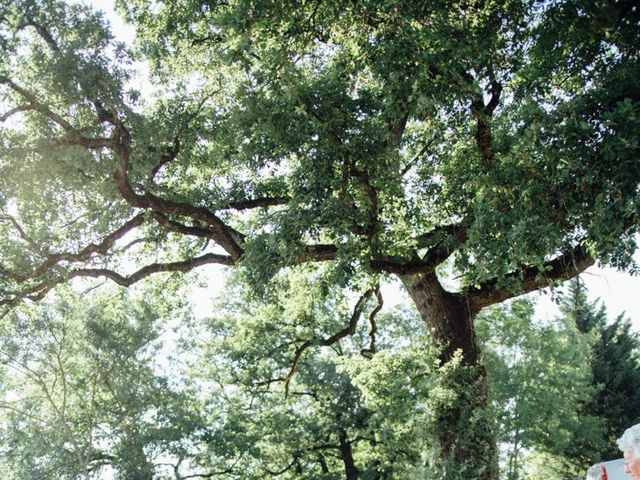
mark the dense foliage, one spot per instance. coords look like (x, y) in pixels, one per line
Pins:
(81, 393)
(378, 137)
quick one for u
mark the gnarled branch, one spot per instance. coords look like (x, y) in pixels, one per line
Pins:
(369, 352)
(563, 267)
(349, 329)
(53, 259)
(178, 227)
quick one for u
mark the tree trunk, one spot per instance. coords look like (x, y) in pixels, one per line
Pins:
(467, 446)
(350, 470)
(323, 464)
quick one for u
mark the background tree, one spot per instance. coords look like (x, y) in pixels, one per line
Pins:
(539, 375)
(382, 137)
(82, 394)
(615, 367)
(351, 409)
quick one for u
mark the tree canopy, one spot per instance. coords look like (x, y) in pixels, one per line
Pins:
(81, 389)
(384, 136)
(379, 137)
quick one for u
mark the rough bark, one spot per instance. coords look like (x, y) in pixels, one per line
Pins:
(446, 315)
(467, 446)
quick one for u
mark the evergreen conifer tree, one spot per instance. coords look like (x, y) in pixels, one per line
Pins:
(615, 367)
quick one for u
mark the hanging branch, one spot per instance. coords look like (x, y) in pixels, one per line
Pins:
(348, 330)
(369, 352)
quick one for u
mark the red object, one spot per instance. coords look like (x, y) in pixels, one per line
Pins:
(604, 473)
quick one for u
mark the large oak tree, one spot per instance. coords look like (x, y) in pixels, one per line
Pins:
(382, 137)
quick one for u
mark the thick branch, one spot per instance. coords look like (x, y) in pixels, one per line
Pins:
(483, 113)
(442, 241)
(220, 232)
(13, 111)
(496, 91)
(372, 194)
(484, 139)
(38, 291)
(396, 130)
(126, 281)
(168, 156)
(42, 31)
(563, 267)
(73, 135)
(399, 267)
(346, 453)
(256, 203)
(53, 259)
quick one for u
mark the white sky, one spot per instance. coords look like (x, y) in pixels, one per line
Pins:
(123, 32)
(616, 290)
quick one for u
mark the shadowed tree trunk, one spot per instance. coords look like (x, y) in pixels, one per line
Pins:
(350, 470)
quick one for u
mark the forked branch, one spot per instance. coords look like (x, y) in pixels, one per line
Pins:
(53, 259)
(38, 291)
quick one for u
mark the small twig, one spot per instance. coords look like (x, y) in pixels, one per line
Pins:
(415, 159)
(92, 288)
